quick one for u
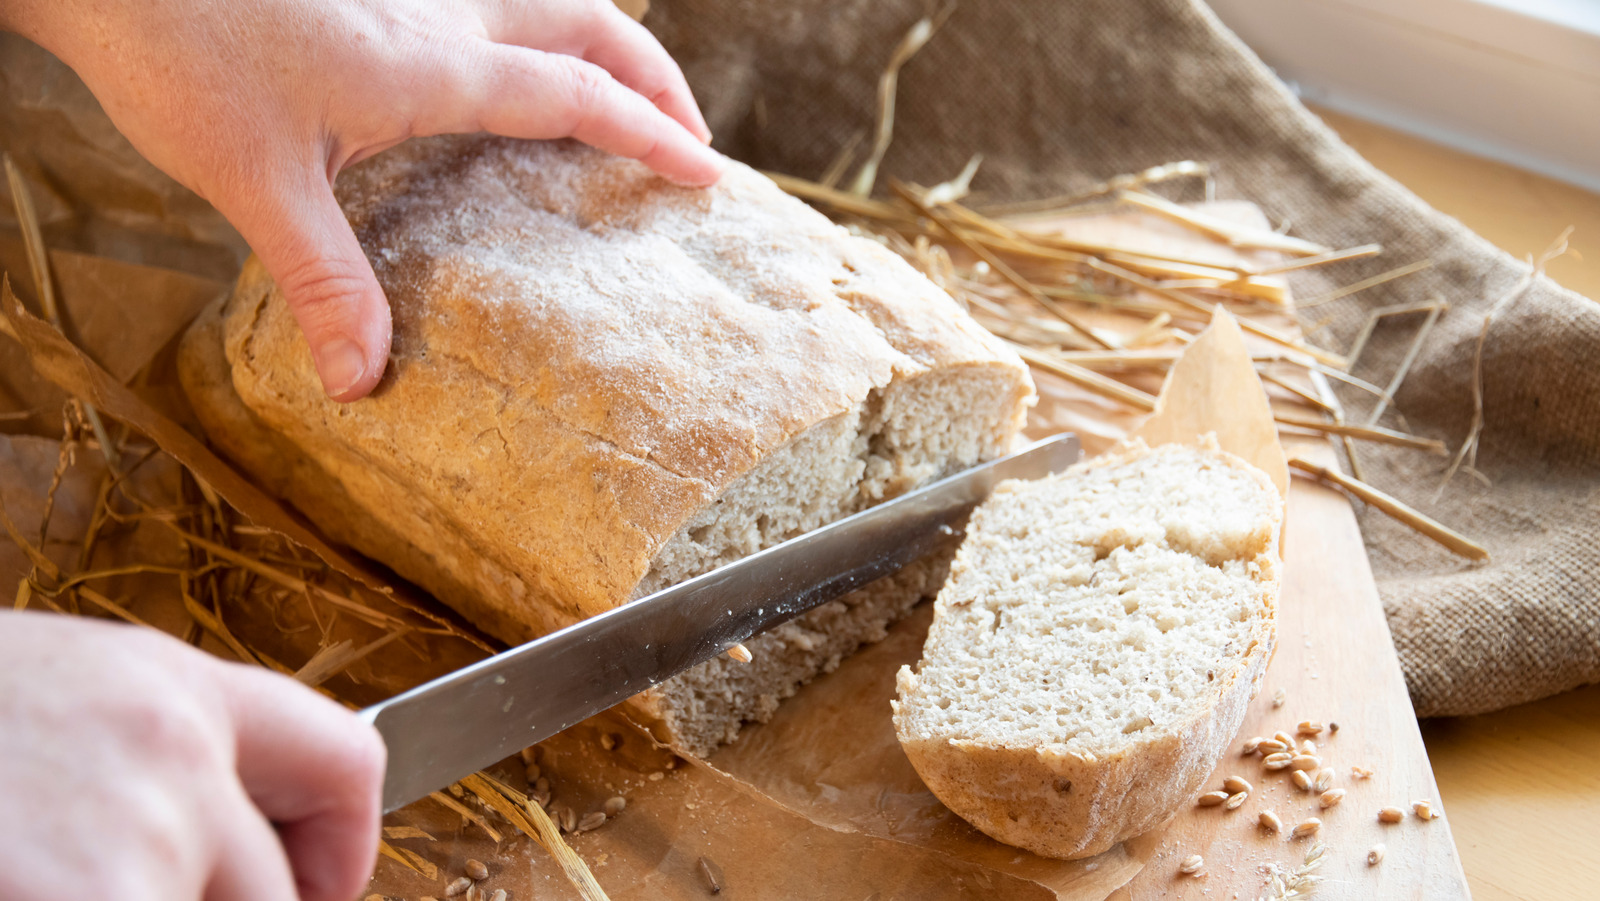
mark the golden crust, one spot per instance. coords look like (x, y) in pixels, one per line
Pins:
(584, 357)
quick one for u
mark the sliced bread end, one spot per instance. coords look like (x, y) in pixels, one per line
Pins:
(1095, 647)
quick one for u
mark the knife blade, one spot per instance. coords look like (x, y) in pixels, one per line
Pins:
(519, 697)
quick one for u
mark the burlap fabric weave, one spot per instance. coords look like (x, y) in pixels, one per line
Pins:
(1060, 95)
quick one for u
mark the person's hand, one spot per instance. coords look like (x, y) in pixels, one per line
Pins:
(135, 767)
(257, 104)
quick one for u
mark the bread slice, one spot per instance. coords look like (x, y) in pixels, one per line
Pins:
(1091, 656)
(602, 384)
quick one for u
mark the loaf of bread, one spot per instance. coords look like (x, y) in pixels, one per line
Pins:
(1092, 654)
(602, 384)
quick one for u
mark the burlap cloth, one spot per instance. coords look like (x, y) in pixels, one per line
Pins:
(1061, 95)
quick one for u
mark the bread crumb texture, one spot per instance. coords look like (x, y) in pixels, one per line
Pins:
(1094, 648)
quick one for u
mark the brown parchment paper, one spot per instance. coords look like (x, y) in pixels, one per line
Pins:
(121, 314)
(818, 803)
(1213, 389)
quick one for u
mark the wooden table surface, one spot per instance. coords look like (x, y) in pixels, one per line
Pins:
(1521, 786)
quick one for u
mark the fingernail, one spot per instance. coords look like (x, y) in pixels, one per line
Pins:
(340, 364)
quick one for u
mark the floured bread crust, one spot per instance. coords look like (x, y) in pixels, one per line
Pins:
(586, 359)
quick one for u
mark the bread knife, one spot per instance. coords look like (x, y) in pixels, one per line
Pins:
(459, 723)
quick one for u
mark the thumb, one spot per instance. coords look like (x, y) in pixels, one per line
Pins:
(303, 239)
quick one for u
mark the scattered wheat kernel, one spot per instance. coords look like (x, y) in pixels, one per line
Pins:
(1270, 822)
(740, 653)
(591, 821)
(567, 817)
(1271, 746)
(1391, 815)
(1283, 738)
(1360, 772)
(534, 773)
(1237, 784)
(1191, 865)
(1277, 761)
(1211, 799)
(499, 895)
(607, 740)
(1308, 747)
(711, 874)
(1309, 727)
(657, 776)
(458, 887)
(1309, 827)
(615, 805)
(1235, 800)
(1323, 780)
(1306, 762)
(1251, 746)
(529, 755)
(1278, 697)
(1375, 854)
(672, 762)
(1331, 798)
(540, 798)
(1302, 780)
(1423, 809)
(476, 869)
(1333, 728)
(542, 784)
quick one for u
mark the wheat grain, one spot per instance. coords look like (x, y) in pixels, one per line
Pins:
(1375, 854)
(1330, 798)
(1391, 815)
(1269, 821)
(1191, 865)
(592, 820)
(1211, 799)
(1307, 828)
(1237, 784)
(1235, 800)
(476, 870)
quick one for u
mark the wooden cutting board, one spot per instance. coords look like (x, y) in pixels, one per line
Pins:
(1334, 664)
